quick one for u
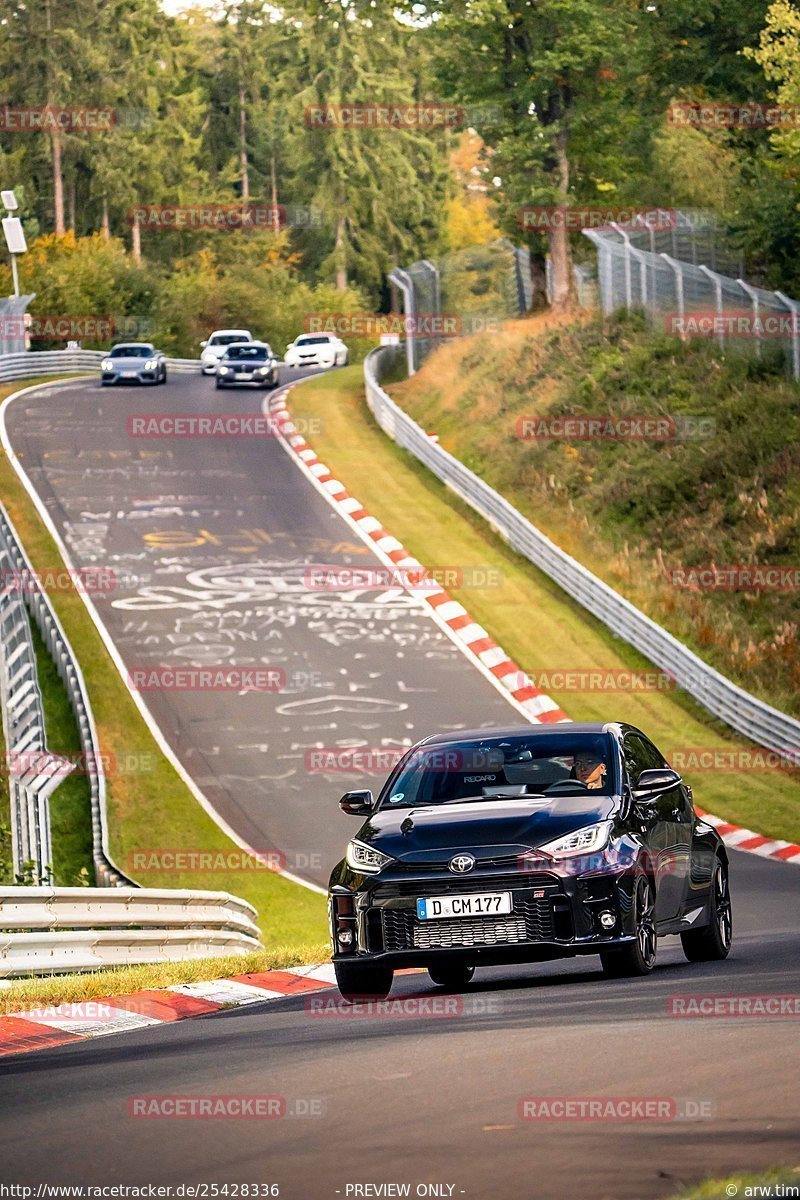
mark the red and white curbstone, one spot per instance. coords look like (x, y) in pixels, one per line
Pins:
(532, 702)
(536, 705)
(738, 838)
(61, 1024)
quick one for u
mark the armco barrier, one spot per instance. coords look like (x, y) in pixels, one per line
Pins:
(46, 929)
(34, 363)
(20, 696)
(745, 713)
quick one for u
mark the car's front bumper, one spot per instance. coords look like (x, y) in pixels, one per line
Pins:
(243, 377)
(321, 363)
(131, 376)
(552, 916)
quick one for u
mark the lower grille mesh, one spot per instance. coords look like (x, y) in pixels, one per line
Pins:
(484, 931)
(531, 921)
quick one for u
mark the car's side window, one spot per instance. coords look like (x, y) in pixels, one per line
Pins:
(632, 755)
(654, 760)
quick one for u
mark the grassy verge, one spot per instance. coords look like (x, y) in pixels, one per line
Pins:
(744, 1185)
(534, 621)
(639, 512)
(72, 989)
(152, 807)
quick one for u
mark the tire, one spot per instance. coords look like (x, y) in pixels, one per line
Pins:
(361, 981)
(639, 957)
(453, 976)
(164, 376)
(713, 942)
(218, 385)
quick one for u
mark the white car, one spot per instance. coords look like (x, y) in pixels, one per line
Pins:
(216, 344)
(316, 350)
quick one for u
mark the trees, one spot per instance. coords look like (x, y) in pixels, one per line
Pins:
(381, 191)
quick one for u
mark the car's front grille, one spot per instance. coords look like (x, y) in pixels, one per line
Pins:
(396, 888)
(531, 921)
(486, 931)
(505, 862)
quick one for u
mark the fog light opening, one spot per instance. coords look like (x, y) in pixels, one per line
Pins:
(345, 937)
(607, 920)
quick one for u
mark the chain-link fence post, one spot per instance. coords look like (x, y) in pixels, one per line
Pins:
(753, 294)
(794, 309)
(401, 279)
(716, 282)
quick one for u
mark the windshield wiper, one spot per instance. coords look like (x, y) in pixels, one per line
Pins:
(497, 796)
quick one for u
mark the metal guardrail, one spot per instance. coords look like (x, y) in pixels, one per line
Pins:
(44, 929)
(33, 773)
(31, 779)
(33, 363)
(743, 712)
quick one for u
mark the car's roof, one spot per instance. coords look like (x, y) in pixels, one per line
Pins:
(238, 329)
(248, 342)
(132, 346)
(567, 728)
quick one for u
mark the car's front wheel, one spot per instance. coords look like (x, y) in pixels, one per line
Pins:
(452, 976)
(363, 981)
(639, 956)
(714, 941)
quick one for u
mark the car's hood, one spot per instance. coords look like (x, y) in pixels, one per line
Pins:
(131, 363)
(487, 828)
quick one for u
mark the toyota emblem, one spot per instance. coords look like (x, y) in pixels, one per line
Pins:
(461, 864)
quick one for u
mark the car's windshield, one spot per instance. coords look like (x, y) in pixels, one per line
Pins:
(225, 339)
(242, 352)
(496, 768)
(322, 340)
(132, 352)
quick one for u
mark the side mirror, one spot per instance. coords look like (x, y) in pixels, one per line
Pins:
(203, 345)
(652, 784)
(357, 804)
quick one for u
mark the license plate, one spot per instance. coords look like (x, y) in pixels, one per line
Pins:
(244, 374)
(129, 374)
(479, 904)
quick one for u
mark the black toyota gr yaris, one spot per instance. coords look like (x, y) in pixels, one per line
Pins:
(520, 845)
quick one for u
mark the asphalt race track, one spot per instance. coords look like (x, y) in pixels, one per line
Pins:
(409, 1099)
(209, 542)
(422, 1099)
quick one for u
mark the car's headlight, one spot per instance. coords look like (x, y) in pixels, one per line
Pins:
(107, 364)
(263, 370)
(224, 370)
(151, 364)
(366, 859)
(582, 841)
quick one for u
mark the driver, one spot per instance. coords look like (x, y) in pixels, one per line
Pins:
(590, 770)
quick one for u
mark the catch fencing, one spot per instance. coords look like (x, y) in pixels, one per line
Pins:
(743, 712)
(476, 287)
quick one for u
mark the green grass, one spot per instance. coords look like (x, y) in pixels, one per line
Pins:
(71, 802)
(534, 621)
(71, 989)
(632, 511)
(718, 1189)
(152, 807)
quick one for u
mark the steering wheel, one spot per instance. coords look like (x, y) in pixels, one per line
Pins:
(569, 784)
